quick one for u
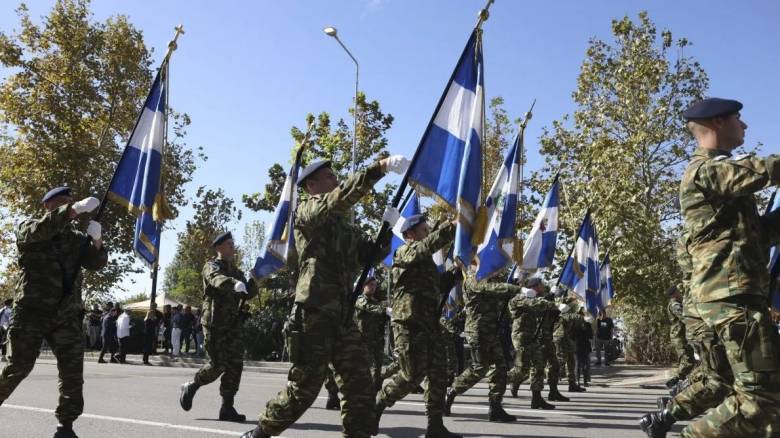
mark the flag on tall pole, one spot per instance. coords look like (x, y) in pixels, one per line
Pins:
(539, 249)
(581, 271)
(137, 184)
(774, 257)
(606, 288)
(448, 162)
(497, 249)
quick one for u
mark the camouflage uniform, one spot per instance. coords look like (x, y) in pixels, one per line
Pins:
(484, 302)
(528, 357)
(548, 320)
(729, 245)
(222, 330)
(329, 252)
(371, 319)
(48, 305)
(448, 331)
(685, 360)
(563, 339)
(416, 299)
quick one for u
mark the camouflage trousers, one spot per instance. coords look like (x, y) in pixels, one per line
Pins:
(486, 355)
(420, 355)
(712, 380)
(685, 359)
(65, 337)
(324, 340)
(225, 352)
(551, 362)
(565, 355)
(752, 348)
(448, 340)
(529, 361)
(376, 357)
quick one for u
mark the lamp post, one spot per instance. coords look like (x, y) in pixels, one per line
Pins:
(332, 32)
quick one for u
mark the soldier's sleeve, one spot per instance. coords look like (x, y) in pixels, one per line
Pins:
(220, 283)
(92, 258)
(424, 249)
(345, 196)
(366, 246)
(541, 305)
(738, 176)
(497, 288)
(44, 228)
(364, 305)
(449, 278)
(676, 311)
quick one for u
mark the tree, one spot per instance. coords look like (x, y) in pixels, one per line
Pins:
(621, 154)
(68, 106)
(254, 238)
(214, 213)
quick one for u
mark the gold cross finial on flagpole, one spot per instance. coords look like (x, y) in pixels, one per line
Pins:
(172, 44)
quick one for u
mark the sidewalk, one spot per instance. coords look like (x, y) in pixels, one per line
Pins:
(621, 375)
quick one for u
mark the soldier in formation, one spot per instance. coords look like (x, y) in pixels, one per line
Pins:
(683, 350)
(563, 337)
(52, 252)
(329, 251)
(371, 318)
(225, 288)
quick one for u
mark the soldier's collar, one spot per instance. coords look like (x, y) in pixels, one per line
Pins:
(711, 153)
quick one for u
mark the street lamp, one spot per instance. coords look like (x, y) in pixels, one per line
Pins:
(333, 32)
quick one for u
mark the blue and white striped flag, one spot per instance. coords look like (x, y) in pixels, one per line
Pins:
(454, 301)
(136, 183)
(448, 163)
(411, 208)
(279, 239)
(774, 257)
(606, 288)
(495, 251)
(581, 271)
(539, 249)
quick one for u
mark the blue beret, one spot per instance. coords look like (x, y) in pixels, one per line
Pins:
(411, 221)
(309, 170)
(221, 238)
(712, 107)
(53, 193)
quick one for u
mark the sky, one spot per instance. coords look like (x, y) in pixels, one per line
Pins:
(247, 71)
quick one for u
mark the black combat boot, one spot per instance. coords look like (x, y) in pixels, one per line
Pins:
(555, 395)
(228, 413)
(497, 414)
(65, 430)
(436, 429)
(513, 389)
(379, 408)
(573, 387)
(672, 382)
(333, 402)
(537, 401)
(257, 432)
(449, 401)
(662, 402)
(656, 424)
(188, 391)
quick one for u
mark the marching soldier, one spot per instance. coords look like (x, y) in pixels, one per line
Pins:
(729, 245)
(685, 360)
(416, 312)
(547, 323)
(484, 303)
(329, 252)
(224, 287)
(371, 318)
(526, 310)
(563, 335)
(52, 252)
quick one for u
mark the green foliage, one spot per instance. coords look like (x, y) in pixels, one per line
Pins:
(621, 154)
(214, 213)
(70, 100)
(140, 296)
(252, 246)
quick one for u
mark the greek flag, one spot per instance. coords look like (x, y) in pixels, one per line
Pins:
(411, 208)
(136, 183)
(774, 257)
(539, 249)
(581, 271)
(279, 239)
(606, 289)
(454, 301)
(496, 250)
(448, 162)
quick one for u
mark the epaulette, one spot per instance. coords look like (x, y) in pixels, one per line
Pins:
(720, 157)
(742, 157)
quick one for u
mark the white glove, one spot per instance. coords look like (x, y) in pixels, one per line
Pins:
(86, 205)
(563, 307)
(397, 164)
(391, 216)
(94, 230)
(389, 311)
(240, 288)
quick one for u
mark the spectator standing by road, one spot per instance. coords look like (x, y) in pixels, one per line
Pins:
(108, 335)
(604, 329)
(123, 334)
(151, 329)
(583, 333)
(176, 323)
(167, 315)
(187, 327)
(5, 322)
(93, 329)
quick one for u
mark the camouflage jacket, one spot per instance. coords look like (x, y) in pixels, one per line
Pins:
(728, 240)
(52, 252)
(416, 281)
(220, 301)
(370, 318)
(676, 328)
(548, 319)
(686, 266)
(525, 316)
(484, 303)
(330, 251)
(563, 330)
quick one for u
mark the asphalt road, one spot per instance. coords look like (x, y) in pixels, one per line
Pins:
(138, 401)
